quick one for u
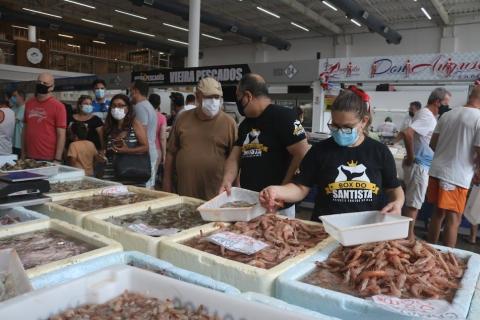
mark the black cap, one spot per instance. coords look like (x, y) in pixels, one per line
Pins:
(177, 98)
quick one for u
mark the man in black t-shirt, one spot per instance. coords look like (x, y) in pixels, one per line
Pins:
(271, 141)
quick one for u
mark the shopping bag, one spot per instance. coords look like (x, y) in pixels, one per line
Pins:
(472, 209)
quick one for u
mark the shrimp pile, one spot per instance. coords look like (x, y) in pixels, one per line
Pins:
(286, 238)
(400, 268)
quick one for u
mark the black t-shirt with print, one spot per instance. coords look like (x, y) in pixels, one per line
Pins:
(264, 140)
(349, 179)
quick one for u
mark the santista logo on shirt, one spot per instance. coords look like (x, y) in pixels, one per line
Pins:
(251, 146)
(298, 128)
(352, 184)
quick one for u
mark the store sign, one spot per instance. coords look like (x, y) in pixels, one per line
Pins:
(228, 74)
(423, 67)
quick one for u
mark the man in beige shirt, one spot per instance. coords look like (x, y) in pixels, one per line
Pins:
(199, 144)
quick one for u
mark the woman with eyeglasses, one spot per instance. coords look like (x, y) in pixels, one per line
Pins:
(351, 170)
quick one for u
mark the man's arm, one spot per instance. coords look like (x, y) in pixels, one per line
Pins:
(163, 141)
(23, 154)
(230, 170)
(168, 172)
(396, 198)
(434, 141)
(61, 136)
(297, 151)
(408, 134)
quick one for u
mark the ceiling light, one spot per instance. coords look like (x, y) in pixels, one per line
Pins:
(268, 12)
(80, 4)
(174, 26)
(65, 36)
(42, 40)
(96, 22)
(142, 33)
(299, 26)
(131, 14)
(19, 27)
(329, 5)
(100, 42)
(426, 13)
(211, 37)
(73, 45)
(41, 12)
(178, 41)
(355, 22)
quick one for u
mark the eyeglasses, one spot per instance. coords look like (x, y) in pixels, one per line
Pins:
(346, 130)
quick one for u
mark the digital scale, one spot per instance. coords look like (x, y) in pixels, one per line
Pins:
(23, 188)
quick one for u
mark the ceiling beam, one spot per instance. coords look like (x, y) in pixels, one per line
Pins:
(294, 4)
(442, 12)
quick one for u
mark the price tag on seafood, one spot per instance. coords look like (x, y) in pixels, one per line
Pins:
(237, 242)
(424, 309)
(150, 231)
(115, 190)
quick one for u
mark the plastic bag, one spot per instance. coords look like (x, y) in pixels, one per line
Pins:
(472, 209)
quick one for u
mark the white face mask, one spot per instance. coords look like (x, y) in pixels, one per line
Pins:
(211, 107)
(118, 114)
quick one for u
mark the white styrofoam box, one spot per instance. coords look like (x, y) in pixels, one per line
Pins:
(291, 289)
(130, 239)
(237, 274)
(62, 195)
(113, 281)
(68, 172)
(57, 211)
(49, 171)
(474, 312)
(367, 226)
(11, 267)
(135, 259)
(26, 216)
(211, 210)
(103, 244)
(7, 158)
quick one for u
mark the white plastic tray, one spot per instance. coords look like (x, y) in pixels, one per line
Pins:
(368, 226)
(67, 172)
(111, 282)
(26, 216)
(10, 264)
(8, 158)
(211, 210)
(46, 171)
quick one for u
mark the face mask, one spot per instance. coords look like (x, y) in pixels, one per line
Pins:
(345, 139)
(13, 101)
(443, 108)
(118, 114)
(411, 114)
(99, 93)
(87, 108)
(211, 107)
(41, 88)
(241, 107)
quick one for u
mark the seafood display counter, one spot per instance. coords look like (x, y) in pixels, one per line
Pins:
(336, 281)
(173, 216)
(137, 294)
(258, 272)
(19, 217)
(74, 208)
(51, 245)
(64, 187)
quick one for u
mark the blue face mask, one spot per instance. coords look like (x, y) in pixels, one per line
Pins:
(87, 108)
(13, 101)
(99, 93)
(345, 139)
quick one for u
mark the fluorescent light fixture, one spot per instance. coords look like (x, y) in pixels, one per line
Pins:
(100, 42)
(65, 35)
(142, 33)
(80, 4)
(211, 37)
(96, 22)
(328, 4)
(174, 26)
(355, 22)
(73, 45)
(41, 12)
(178, 41)
(42, 40)
(131, 14)
(426, 13)
(299, 26)
(19, 27)
(268, 12)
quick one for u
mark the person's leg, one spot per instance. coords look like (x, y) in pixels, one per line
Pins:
(435, 225)
(411, 213)
(453, 220)
(417, 183)
(473, 233)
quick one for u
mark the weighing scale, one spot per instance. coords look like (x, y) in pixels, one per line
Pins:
(23, 188)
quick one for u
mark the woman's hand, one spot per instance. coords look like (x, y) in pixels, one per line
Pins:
(393, 208)
(120, 149)
(269, 199)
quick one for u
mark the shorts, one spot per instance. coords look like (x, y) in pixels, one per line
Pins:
(416, 182)
(446, 196)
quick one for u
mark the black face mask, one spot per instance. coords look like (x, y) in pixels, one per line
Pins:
(240, 107)
(411, 114)
(443, 108)
(41, 88)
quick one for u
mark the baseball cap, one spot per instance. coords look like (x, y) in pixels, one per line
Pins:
(209, 87)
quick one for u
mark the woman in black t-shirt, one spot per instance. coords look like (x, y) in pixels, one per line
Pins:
(351, 170)
(93, 123)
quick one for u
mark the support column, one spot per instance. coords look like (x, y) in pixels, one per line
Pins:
(261, 53)
(342, 46)
(32, 33)
(448, 42)
(317, 107)
(193, 33)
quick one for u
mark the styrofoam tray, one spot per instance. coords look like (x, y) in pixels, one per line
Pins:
(62, 195)
(68, 172)
(26, 217)
(111, 282)
(103, 244)
(367, 226)
(11, 265)
(211, 210)
(7, 158)
(134, 258)
(474, 312)
(132, 240)
(46, 171)
(291, 289)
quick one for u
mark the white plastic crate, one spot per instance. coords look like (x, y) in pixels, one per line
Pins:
(368, 226)
(111, 282)
(62, 195)
(49, 171)
(290, 288)
(68, 172)
(26, 216)
(212, 211)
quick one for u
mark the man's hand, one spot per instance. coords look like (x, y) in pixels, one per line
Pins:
(268, 199)
(226, 186)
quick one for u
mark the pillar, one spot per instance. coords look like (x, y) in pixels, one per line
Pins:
(193, 33)
(448, 42)
(32, 33)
